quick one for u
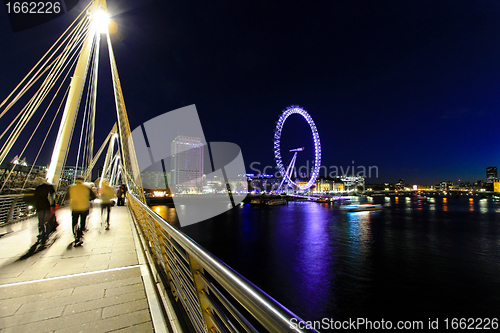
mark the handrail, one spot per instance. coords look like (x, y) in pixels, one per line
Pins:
(273, 316)
(13, 209)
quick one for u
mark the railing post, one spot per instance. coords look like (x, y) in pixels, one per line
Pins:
(167, 246)
(11, 209)
(202, 290)
(2, 208)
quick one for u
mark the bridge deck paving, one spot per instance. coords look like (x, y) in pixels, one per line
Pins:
(97, 287)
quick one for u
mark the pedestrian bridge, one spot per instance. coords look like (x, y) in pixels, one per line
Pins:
(142, 275)
(97, 287)
(112, 284)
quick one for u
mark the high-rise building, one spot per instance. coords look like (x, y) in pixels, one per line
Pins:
(187, 165)
(70, 172)
(491, 174)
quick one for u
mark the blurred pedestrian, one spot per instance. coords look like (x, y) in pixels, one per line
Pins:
(79, 196)
(122, 193)
(44, 200)
(107, 194)
(119, 196)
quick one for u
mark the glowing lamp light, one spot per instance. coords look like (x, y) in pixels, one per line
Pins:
(101, 21)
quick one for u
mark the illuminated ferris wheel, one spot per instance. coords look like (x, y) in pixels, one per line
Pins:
(297, 144)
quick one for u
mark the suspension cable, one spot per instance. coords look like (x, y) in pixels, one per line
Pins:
(38, 125)
(29, 109)
(36, 65)
(50, 78)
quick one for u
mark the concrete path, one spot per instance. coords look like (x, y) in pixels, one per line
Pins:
(97, 287)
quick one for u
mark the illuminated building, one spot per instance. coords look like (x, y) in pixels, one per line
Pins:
(353, 183)
(212, 185)
(491, 174)
(323, 186)
(496, 186)
(263, 183)
(17, 160)
(445, 186)
(154, 180)
(70, 172)
(400, 185)
(187, 165)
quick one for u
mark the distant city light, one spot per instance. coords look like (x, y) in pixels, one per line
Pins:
(159, 194)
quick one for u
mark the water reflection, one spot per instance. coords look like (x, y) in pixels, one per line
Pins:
(167, 213)
(322, 262)
(311, 263)
(431, 204)
(483, 206)
(359, 232)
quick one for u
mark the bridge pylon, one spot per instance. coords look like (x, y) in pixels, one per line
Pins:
(75, 95)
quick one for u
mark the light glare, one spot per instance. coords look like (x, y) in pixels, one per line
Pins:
(101, 21)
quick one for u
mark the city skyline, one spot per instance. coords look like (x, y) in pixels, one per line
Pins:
(410, 88)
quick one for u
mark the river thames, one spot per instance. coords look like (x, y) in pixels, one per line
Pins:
(413, 260)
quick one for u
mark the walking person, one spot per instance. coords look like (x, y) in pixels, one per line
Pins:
(79, 196)
(107, 193)
(119, 195)
(122, 193)
(44, 200)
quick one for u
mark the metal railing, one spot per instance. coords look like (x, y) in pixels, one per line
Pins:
(214, 297)
(13, 209)
(18, 207)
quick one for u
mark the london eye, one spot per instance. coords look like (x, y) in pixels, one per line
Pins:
(297, 149)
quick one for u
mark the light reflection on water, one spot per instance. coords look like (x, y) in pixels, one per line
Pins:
(483, 206)
(414, 259)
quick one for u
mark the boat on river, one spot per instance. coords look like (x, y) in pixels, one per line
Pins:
(256, 201)
(276, 202)
(362, 207)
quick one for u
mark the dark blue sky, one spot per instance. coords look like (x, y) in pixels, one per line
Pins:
(411, 87)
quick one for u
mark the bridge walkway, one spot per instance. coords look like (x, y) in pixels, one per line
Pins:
(102, 286)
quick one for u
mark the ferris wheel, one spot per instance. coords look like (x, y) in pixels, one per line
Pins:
(297, 144)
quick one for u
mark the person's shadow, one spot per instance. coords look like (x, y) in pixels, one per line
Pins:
(38, 247)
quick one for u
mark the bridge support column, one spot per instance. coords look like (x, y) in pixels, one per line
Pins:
(72, 103)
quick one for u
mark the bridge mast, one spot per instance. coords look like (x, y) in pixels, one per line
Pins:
(74, 96)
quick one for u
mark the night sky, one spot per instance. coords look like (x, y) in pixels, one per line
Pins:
(411, 87)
